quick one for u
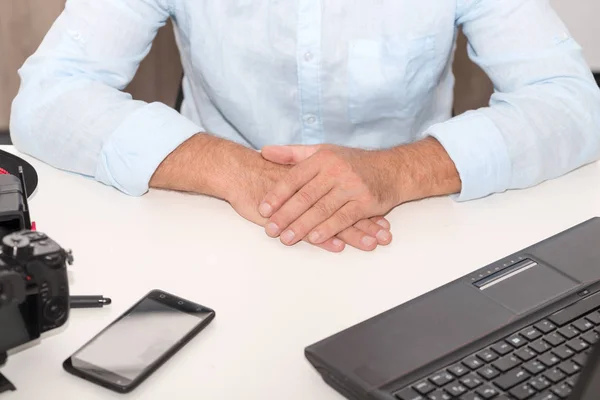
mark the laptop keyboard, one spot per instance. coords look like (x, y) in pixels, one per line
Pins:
(541, 362)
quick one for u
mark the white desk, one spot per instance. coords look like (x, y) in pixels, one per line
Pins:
(271, 301)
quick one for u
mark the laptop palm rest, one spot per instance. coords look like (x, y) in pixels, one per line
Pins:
(528, 286)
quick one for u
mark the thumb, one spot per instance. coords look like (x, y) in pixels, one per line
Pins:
(288, 154)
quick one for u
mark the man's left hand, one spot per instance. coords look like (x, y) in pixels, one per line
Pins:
(332, 189)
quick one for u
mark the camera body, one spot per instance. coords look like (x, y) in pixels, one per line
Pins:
(34, 288)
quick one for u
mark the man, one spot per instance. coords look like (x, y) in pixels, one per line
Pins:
(361, 89)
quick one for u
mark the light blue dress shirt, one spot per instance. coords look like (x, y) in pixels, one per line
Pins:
(369, 74)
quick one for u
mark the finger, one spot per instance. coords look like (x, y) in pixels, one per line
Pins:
(333, 245)
(295, 208)
(343, 218)
(285, 188)
(383, 236)
(288, 154)
(321, 211)
(357, 239)
(384, 223)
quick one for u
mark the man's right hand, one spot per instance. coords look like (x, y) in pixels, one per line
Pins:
(223, 169)
(257, 177)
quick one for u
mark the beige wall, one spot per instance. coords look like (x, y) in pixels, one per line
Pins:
(23, 24)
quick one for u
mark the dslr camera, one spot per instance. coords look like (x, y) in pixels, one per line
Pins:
(34, 289)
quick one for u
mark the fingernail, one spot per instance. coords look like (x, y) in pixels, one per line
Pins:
(368, 241)
(287, 237)
(337, 242)
(314, 237)
(272, 229)
(265, 209)
(383, 236)
(383, 223)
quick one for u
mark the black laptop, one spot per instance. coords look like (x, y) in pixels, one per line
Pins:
(522, 328)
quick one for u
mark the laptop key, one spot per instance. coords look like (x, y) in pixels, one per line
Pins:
(517, 341)
(563, 352)
(555, 339)
(487, 355)
(488, 372)
(471, 381)
(540, 346)
(568, 331)
(594, 318)
(525, 354)
(409, 394)
(591, 337)
(424, 387)
(545, 326)
(506, 363)
(534, 367)
(539, 383)
(531, 333)
(455, 389)
(458, 370)
(441, 378)
(471, 396)
(487, 391)
(572, 381)
(563, 390)
(569, 367)
(523, 392)
(473, 362)
(439, 395)
(502, 348)
(583, 325)
(549, 359)
(578, 345)
(554, 375)
(511, 379)
(546, 396)
(581, 359)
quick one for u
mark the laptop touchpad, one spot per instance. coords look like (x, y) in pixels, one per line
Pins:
(527, 287)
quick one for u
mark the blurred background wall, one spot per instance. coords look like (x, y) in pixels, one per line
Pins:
(23, 24)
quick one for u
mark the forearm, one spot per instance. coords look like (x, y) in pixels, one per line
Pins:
(420, 170)
(205, 164)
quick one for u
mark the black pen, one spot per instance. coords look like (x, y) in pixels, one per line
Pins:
(89, 301)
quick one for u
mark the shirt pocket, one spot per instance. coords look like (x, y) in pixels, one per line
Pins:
(389, 78)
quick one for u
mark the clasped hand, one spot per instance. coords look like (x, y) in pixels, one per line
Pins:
(326, 193)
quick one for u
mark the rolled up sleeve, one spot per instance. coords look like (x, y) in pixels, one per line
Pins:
(543, 119)
(128, 165)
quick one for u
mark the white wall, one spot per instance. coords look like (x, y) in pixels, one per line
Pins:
(583, 20)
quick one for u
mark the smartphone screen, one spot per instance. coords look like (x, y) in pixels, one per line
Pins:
(140, 340)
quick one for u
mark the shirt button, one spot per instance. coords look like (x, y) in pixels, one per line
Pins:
(310, 119)
(308, 56)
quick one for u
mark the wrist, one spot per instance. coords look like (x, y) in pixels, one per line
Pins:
(424, 170)
(202, 164)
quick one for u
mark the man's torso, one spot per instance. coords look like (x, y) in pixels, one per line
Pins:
(369, 74)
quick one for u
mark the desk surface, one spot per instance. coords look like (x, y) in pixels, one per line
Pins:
(271, 301)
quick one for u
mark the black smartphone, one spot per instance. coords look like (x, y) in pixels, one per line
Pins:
(137, 343)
